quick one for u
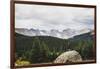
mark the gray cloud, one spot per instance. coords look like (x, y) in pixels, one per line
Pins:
(52, 17)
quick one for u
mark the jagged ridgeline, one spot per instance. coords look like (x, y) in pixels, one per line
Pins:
(39, 49)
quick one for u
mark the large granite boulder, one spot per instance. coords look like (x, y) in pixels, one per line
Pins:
(69, 56)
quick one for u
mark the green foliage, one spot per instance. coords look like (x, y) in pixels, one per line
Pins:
(41, 49)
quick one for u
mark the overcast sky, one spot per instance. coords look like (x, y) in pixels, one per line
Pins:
(53, 17)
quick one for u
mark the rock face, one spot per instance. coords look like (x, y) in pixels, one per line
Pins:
(69, 56)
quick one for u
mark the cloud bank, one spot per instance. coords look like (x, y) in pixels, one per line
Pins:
(53, 17)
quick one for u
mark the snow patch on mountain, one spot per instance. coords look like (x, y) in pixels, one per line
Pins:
(64, 34)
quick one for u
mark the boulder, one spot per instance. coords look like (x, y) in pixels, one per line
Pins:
(69, 56)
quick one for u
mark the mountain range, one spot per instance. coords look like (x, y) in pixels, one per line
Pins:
(53, 45)
(64, 34)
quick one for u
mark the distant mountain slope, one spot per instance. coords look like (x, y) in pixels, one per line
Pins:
(64, 34)
(85, 36)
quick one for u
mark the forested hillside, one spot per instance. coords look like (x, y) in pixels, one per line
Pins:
(43, 49)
